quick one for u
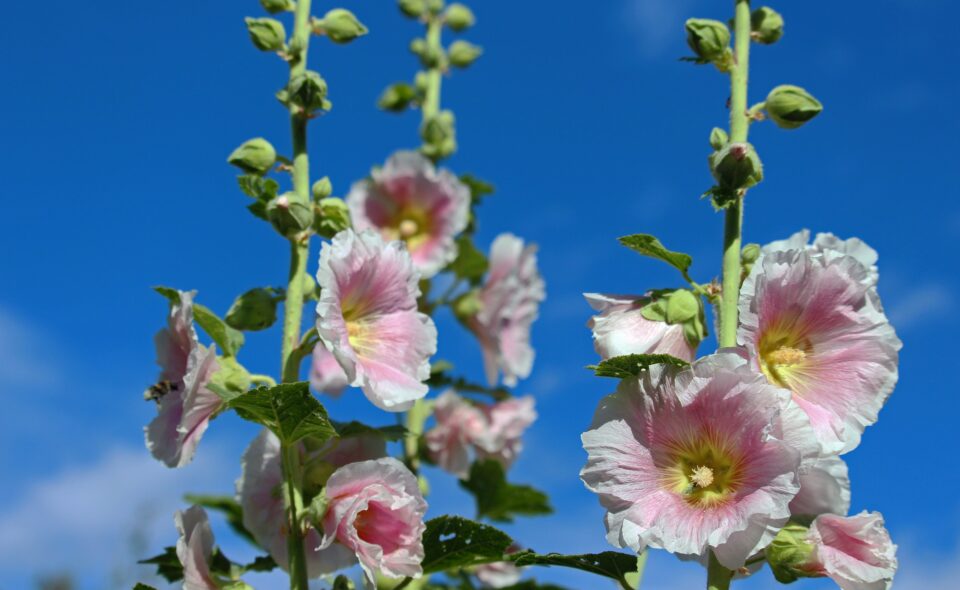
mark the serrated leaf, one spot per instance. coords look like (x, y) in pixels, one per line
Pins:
(631, 365)
(258, 187)
(393, 432)
(288, 410)
(610, 564)
(453, 542)
(499, 500)
(228, 339)
(229, 507)
(168, 564)
(650, 246)
(470, 264)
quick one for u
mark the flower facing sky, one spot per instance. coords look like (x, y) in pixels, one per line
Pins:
(509, 301)
(367, 317)
(185, 404)
(706, 458)
(409, 199)
(620, 328)
(813, 324)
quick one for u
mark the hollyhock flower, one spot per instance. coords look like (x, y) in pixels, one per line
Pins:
(500, 574)
(824, 489)
(259, 494)
(326, 375)
(509, 300)
(833, 247)
(702, 459)
(185, 404)
(376, 511)
(854, 551)
(368, 318)
(813, 324)
(506, 421)
(195, 548)
(410, 200)
(458, 425)
(620, 329)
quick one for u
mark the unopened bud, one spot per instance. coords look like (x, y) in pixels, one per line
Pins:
(332, 217)
(413, 8)
(791, 106)
(254, 156)
(766, 25)
(467, 305)
(340, 25)
(789, 552)
(430, 56)
(682, 305)
(439, 135)
(289, 215)
(462, 53)
(275, 6)
(254, 310)
(267, 34)
(458, 17)
(718, 138)
(737, 166)
(435, 6)
(709, 39)
(322, 188)
(397, 97)
(750, 254)
(307, 91)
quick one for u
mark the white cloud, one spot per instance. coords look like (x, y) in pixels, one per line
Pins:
(25, 353)
(920, 304)
(657, 23)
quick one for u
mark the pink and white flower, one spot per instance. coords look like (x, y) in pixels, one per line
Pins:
(368, 318)
(326, 374)
(499, 574)
(185, 404)
(376, 512)
(702, 459)
(509, 301)
(195, 548)
(824, 488)
(812, 322)
(507, 420)
(410, 200)
(832, 247)
(854, 551)
(620, 329)
(459, 424)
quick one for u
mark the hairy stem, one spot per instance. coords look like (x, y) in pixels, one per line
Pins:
(718, 577)
(293, 307)
(739, 126)
(431, 102)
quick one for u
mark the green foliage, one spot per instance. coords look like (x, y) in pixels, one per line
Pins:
(631, 365)
(288, 410)
(228, 339)
(443, 379)
(227, 506)
(168, 564)
(650, 246)
(393, 432)
(610, 564)
(254, 310)
(470, 264)
(479, 189)
(262, 189)
(142, 586)
(499, 500)
(455, 542)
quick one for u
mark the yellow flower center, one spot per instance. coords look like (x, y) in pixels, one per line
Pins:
(706, 471)
(412, 224)
(784, 354)
(702, 476)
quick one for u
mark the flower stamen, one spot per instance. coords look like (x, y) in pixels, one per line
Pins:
(702, 476)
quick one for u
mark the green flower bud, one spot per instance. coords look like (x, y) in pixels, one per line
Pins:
(766, 25)
(788, 552)
(791, 106)
(718, 138)
(275, 6)
(322, 188)
(231, 377)
(254, 310)
(289, 215)
(737, 166)
(462, 53)
(340, 25)
(309, 287)
(467, 305)
(420, 83)
(439, 135)
(307, 91)
(397, 97)
(751, 252)
(267, 34)
(254, 156)
(682, 305)
(332, 217)
(458, 17)
(430, 57)
(344, 583)
(413, 8)
(435, 6)
(709, 39)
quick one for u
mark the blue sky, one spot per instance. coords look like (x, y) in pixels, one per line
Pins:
(117, 118)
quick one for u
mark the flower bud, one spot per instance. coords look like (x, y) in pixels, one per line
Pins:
(439, 135)
(275, 6)
(340, 25)
(322, 188)
(737, 166)
(397, 97)
(289, 215)
(413, 8)
(462, 53)
(718, 138)
(750, 253)
(435, 6)
(467, 305)
(254, 156)
(254, 310)
(458, 17)
(709, 39)
(681, 305)
(791, 106)
(430, 56)
(307, 91)
(332, 217)
(267, 34)
(231, 376)
(788, 553)
(766, 25)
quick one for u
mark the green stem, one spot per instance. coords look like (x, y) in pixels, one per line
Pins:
(739, 127)
(431, 102)
(416, 418)
(718, 577)
(641, 566)
(293, 307)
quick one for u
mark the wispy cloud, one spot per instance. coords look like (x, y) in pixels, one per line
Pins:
(26, 353)
(920, 304)
(657, 23)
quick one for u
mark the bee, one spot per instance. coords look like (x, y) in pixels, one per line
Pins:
(158, 390)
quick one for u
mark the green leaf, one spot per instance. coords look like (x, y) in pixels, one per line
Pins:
(288, 410)
(228, 339)
(259, 209)
(478, 188)
(610, 564)
(650, 246)
(142, 586)
(229, 507)
(168, 564)
(442, 379)
(172, 295)
(631, 365)
(499, 500)
(470, 264)
(393, 432)
(452, 542)
(263, 563)
(257, 187)
(532, 585)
